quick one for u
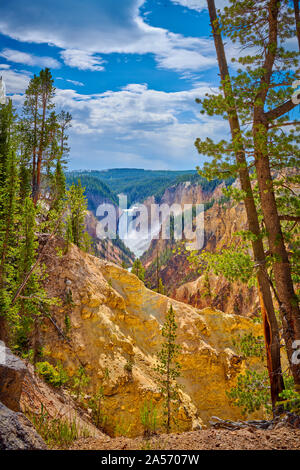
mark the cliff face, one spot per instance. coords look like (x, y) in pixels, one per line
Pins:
(116, 333)
(175, 269)
(190, 193)
(183, 282)
(107, 249)
(217, 292)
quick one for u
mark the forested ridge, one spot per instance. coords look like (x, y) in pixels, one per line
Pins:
(35, 207)
(137, 184)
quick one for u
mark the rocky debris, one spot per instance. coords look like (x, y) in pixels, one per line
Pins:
(12, 373)
(283, 438)
(288, 419)
(17, 432)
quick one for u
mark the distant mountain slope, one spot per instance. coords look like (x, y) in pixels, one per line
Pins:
(98, 193)
(96, 190)
(137, 184)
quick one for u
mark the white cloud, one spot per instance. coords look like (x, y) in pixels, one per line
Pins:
(199, 5)
(134, 107)
(183, 59)
(92, 30)
(15, 81)
(11, 55)
(73, 82)
(154, 123)
(82, 60)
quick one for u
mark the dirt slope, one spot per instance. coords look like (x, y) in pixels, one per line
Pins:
(211, 439)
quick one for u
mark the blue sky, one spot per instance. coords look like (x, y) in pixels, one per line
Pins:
(128, 71)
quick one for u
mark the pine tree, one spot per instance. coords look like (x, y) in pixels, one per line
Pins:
(264, 86)
(29, 148)
(262, 82)
(8, 213)
(77, 207)
(8, 240)
(168, 367)
(87, 243)
(64, 123)
(31, 121)
(25, 181)
(58, 196)
(7, 119)
(229, 108)
(38, 123)
(138, 269)
(46, 93)
(297, 20)
(161, 287)
(28, 304)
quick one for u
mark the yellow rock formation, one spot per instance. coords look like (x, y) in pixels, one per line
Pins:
(116, 321)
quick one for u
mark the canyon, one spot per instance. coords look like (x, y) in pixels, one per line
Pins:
(115, 334)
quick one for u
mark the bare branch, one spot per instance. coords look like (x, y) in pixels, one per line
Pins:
(280, 110)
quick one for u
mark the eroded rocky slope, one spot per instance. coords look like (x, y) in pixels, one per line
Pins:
(185, 283)
(116, 332)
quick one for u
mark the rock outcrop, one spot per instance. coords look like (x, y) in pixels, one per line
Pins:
(217, 292)
(17, 432)
(191, 193)
(12, 373)
(116, 333)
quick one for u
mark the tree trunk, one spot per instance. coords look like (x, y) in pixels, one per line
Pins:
(271, 331)
(36, 189)
(34, 145)
(297, 20)
(288, 302)
(168, 394)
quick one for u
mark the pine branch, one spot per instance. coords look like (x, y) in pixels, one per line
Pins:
(38, 260)
(294, 123)
(280, 110)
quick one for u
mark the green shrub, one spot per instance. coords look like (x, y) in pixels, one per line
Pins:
(29, 356)
(129, 365)
(250, 346)
(68, 324)
(80, 380)
(148, 418)
(95, 403)
(56, 432)
(251, 393)
(54, 375)
(290, 401)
